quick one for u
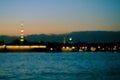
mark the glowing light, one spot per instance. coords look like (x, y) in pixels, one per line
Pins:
(22, 30)
(83, 47)
(115, 48)
(37, 46)
(24, 47)
(93, 49)
(3, 46)
(63, 47)
(80, 50)
(67, 49)
(51, 49)
(99, 47)
(42, 46)
(21, 36)
(22, 24)
(70, 39)
(21, 40)
(73, 47)
(12, 47)
(103, 49)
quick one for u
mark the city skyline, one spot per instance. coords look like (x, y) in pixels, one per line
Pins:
(58, 16)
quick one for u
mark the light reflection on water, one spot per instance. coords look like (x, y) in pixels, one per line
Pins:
(60, 66)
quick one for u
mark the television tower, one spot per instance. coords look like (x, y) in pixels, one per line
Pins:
(21, 33)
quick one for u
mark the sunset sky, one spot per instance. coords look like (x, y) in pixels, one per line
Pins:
(58, 16)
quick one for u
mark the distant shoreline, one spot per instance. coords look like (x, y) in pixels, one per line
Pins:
(60, 47)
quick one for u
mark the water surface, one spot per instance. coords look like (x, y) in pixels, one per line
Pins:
(60, 66)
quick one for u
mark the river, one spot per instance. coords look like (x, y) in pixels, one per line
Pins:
(60, 66)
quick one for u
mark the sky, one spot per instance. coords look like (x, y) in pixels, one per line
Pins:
(58, 16)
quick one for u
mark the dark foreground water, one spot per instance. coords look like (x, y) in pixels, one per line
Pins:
(60, 66)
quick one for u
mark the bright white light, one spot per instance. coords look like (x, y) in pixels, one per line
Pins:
(21, 40)
(22, 30)
(70, 39)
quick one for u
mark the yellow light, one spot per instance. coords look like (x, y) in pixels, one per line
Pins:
(98, 47)
(83, 47)
(12, 47)
(93, 49)
(42, 46)
(51, 49)
(24, 47)
(16, 47)
(63, 47)
(1, 47)
(103, 49)
(34, 46)
(37, 46)
(67, 47)
(115, 48)
(73, 47)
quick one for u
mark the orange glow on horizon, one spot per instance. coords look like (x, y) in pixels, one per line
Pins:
(52, 28)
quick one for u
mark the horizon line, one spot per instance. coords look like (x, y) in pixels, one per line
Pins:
(60, 33)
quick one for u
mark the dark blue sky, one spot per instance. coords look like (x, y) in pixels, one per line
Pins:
(58, 16)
